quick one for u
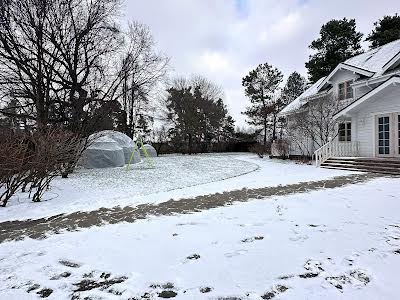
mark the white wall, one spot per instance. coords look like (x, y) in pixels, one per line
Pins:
(341, 76)
(385, 102)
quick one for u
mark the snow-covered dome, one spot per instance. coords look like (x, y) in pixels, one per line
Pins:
(149, 149)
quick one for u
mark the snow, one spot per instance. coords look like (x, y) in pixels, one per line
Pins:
(302, 99)
(344, 237)
(374, 60)
(174, 176)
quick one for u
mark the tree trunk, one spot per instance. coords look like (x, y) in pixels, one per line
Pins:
(265, 132)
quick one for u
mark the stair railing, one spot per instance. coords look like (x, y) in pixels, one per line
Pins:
(336, 149)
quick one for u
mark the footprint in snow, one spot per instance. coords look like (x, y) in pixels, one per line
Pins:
(69, 264)
(361, 276)
(278, 289)
(235, 253)
(297, 238)
(252, 239)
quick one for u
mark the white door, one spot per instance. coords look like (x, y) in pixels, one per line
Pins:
(387, 135)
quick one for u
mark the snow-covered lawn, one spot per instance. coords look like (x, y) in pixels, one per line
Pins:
(341, 243)
(173, 176)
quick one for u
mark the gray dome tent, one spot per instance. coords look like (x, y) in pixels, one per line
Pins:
(103, 152)
(149, 149)
(125, 142)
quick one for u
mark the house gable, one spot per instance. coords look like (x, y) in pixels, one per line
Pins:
(393, 81)
(344, 70)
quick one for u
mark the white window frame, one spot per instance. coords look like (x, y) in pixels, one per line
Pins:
(346, 84)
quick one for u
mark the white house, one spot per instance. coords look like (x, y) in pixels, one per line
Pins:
(367, 90)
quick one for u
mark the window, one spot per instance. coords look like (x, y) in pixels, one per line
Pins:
(345, 132)
(384, 135)
(345, 90)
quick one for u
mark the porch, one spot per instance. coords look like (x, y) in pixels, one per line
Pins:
(345, 156)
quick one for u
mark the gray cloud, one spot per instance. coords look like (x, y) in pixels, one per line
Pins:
(225, 39)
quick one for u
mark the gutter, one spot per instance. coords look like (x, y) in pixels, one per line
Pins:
(369, 81)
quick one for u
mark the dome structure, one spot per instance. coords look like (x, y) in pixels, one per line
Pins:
(103, 152)
(149, 149)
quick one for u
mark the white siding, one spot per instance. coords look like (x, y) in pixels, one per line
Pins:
(385, 102)
(341, 76)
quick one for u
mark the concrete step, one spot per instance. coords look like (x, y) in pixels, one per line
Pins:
(383, 161)
(389, 166)
(362, 170)
(362, 166)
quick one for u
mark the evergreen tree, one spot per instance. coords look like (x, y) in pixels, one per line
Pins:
(386, 30)
(338, 41)
(197, 119)
(294, 87)
(261, 86)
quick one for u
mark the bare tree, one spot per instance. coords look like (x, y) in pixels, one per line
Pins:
(142, 70)
(56, 58)
(313, 124)
(25, 66)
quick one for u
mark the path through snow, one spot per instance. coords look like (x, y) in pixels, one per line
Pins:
(42, 228)
(341, 243)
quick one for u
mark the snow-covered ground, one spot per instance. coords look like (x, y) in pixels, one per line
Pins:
(173, 176)
(340, 243)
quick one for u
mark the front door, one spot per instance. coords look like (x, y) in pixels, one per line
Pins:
(388, 135)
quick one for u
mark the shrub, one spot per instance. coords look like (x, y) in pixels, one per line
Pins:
(32, 161)
(259, 149)
(14, 170)
(280, 148)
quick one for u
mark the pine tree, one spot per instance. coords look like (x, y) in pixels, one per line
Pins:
(294, 87)
(338, 41)
(261, 86)
(386, 30)
(197, 119)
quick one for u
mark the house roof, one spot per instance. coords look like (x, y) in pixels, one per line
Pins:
(371, 64)
(302, 99)
(377, 60)
(392, 80)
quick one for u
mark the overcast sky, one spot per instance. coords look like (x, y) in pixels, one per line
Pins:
(225, 39)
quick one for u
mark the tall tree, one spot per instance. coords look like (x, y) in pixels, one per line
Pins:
(294, 87)
(261, 86)
(197, 117)
(385, 31)
(55, 56)
(338, 41)
(142, 69)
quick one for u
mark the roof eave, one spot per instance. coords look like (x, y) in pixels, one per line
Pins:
(346, 67)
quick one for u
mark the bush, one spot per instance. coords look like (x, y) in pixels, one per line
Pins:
(14, 170)
(32, 161)
(260, 150)
(280, 148)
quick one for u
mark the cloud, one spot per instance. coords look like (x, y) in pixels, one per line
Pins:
(225, 39)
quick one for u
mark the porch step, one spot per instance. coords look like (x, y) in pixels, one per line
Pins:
(373, 165)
